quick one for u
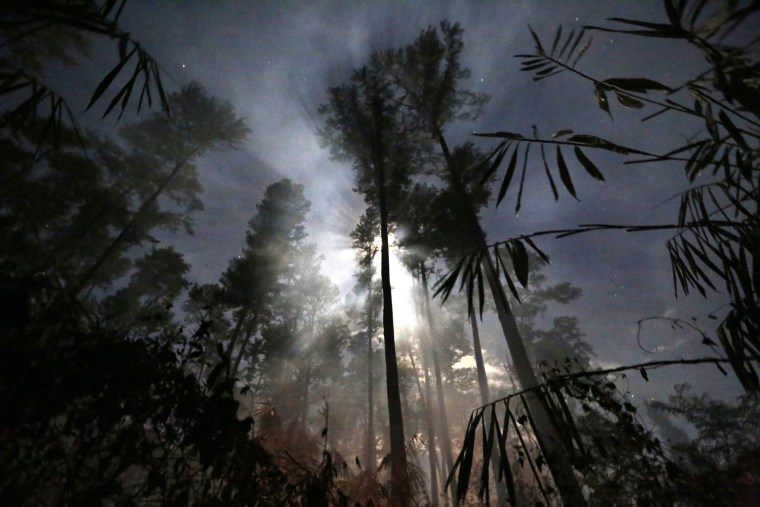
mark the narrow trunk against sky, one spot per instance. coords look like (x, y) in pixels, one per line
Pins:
(250, 331)
(117, 241)
(236, 332)
(485, 395)
(400, 490)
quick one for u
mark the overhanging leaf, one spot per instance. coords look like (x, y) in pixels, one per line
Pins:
(549, 174)
(507, 177)
(601, 98)
(732, 129)
(628, 101)
(636, 84)
(539, 47)
(588, 165)
(598, 142)
(108, 79)
(564, 174)
(520, 262)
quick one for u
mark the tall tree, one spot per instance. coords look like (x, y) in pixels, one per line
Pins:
(254, 279)
(362, 127)
(429, 72)
(161, 149)
(38, 33)
(144, 305)
(364, 241)
(721, 461)
(84, 214)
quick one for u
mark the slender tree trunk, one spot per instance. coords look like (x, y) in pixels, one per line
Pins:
(442, 412)
(108, 252)
(401, 487)
(429, 426)
(546, 432)
(249, 334)
(236, 332)
(370, 459)
(485, 395)
(305, 396)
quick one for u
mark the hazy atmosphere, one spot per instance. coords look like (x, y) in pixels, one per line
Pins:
(274, 61)
(226, 248)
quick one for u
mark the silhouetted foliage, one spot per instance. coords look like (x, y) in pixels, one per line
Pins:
(716, 228)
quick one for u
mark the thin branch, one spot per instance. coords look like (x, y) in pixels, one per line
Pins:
(650, 365)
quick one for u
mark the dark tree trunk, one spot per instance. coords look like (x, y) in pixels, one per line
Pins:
(371, 460)
(547, 433)
(401, 488)
(426, 399)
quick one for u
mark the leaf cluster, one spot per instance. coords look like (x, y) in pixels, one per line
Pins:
(715, 240)
(32, 30)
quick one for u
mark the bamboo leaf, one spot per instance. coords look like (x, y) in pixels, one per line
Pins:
(566, 44)
(522, 179)
(546, 71)
(562, 133)
(487, 441)
(577, 41)
(657, 29)
(505, 135)
(108, 79)
(557, 37)
(510, 283)
(582, 51)
(588, 165)
(673, 15)
(481, 290)
(636, 84)
(507, 177)
(539, 47)
(504, 467)
(712, 127)
(502, 150)
(549, 174)
(597, 142)
(533, 66)
(449, 281)
(535, 248)
(520, 262)
(601, 98)
(628, 101)
(466, 465)
(731, 128)
(532, 60)
(564, 174)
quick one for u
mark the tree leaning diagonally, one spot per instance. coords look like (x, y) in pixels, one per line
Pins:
(429, 71)
(716, 231)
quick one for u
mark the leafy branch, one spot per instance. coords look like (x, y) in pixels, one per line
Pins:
(718, 231)
(505, 426)
(25, 19)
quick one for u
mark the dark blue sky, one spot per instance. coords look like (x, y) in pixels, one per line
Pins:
(274, 61)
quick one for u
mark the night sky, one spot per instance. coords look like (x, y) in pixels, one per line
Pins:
(274, 61)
